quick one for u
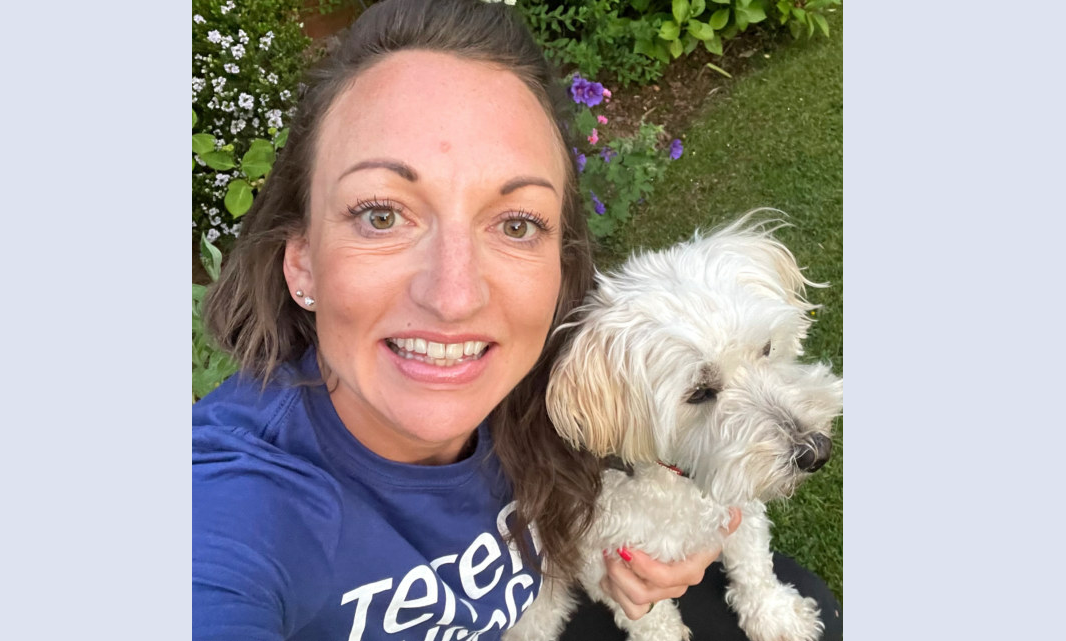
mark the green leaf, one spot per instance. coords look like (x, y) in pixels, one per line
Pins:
(640, 5)
(219, 160)
(646, 47)
(740, 19)
(676, 48)
(800, 14)
(784, 7)
(585, 122)
(700, 30)
(719, 70)
(744, 3)
(697, 7)
(721, 1)
(281, 138)
(670, 30)
(751, 14)
(719, 19)
(193, 117)
(681, 10)
(822, 24)
(202, 143)
(238, 197)
(714, 45)
(210, 257)
(795, 28)
(690, 43)
(198, 291)
(259, 158)
(810, 26)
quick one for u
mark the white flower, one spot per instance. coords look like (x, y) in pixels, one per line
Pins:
(242, 36)
(198, 85)
(226, 8)
(227, 107)
(265, 41)
(285, 94)
(198, 19)
(212, 235)
(227, 41)
(236, 229)
(212, 212)
(218, 83)
(221, 180)
(214, 36)
(237, 51)
(217, 220)
(272, 78)
(236, 126)
(231, 68)
(244, 101)
(274, 118)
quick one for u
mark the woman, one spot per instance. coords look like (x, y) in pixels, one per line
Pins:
(375, 470)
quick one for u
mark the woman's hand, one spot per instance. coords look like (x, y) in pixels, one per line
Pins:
(639, 581)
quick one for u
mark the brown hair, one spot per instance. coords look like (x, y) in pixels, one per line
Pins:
(251, 314)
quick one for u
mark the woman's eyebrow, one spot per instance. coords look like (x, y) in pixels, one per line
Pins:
(524, 181)
(400, 168)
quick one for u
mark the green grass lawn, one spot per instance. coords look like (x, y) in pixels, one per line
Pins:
(774, 138)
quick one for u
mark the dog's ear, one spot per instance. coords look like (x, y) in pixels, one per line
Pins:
(595, 396)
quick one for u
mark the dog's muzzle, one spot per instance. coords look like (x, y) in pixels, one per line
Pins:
(812, 454)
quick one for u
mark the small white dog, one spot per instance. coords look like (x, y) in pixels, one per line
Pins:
(687, 359)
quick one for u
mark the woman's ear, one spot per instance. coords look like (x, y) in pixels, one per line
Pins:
(297, 266)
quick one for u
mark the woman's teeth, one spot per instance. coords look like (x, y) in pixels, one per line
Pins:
(439, 354)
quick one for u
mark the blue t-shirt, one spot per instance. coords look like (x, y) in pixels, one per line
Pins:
(300, 532)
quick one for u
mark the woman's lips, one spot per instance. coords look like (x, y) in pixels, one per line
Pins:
(421, 363)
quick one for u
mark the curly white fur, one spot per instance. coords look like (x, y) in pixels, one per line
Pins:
(724, 314)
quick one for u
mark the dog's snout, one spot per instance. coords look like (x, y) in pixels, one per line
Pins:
(813, 453)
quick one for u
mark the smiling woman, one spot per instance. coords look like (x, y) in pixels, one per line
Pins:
(412, 236)
(386, 448)
(395, 301)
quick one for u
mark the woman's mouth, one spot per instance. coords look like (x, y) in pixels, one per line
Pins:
(439, 354)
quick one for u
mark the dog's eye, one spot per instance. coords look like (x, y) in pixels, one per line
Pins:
(702, 395)
(766, 350)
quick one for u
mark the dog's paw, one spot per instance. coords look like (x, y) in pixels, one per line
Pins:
(781, 615)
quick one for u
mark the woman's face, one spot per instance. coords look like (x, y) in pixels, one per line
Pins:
(433, 248)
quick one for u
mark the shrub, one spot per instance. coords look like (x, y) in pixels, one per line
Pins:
(210, 366)
(635, 39)
(620, 172)
(247, 61)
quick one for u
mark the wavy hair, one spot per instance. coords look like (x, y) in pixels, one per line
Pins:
(250, 312)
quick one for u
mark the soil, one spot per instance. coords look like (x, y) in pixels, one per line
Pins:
(685, 88)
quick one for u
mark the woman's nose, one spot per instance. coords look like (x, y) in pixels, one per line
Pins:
(450, 283)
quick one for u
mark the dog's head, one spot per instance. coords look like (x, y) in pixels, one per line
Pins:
(690, 356)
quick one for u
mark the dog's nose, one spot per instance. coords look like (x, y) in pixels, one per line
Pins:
(814, 453)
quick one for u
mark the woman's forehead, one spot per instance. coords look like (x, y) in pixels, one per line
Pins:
(412, 103)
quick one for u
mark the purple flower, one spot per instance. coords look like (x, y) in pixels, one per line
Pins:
(586, 92)
(600, 207)
(581, 160)
(607, 153)
(676, 149)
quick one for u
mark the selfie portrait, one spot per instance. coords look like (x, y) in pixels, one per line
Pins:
(517, 319)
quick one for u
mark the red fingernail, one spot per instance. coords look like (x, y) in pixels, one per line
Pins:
(624, 553)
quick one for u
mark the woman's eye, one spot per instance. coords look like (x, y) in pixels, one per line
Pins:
(381, 218)
(519, 228)
(380, 215)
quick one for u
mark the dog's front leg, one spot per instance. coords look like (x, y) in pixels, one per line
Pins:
(768, 609)
(546, 617)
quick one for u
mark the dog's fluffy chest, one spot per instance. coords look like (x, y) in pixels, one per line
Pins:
(657, 511)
